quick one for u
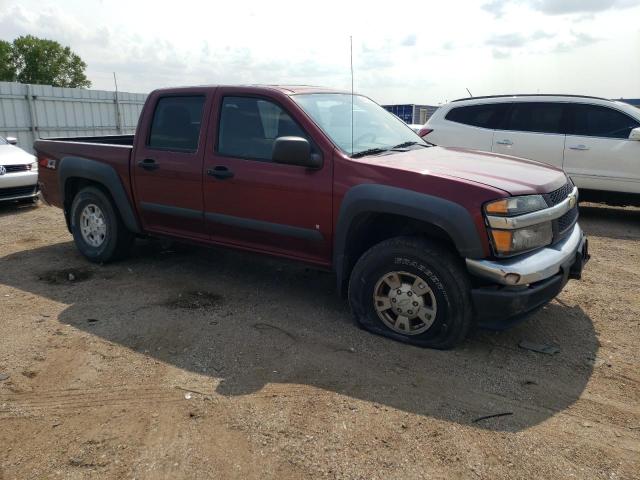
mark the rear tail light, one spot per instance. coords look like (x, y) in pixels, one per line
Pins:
(45, 162)
(424, 131)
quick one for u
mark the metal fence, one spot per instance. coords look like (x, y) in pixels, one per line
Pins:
(29, 112)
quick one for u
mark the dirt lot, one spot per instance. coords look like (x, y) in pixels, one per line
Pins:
(183, 362)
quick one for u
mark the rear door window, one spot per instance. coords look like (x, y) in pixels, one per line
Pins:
(598, 121)
(249, 127)
(176, 123)
(484, 116)
(539, 117)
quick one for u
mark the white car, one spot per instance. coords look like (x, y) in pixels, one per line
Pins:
(596, 141)
(18, 172)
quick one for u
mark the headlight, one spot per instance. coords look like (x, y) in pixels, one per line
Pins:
(515, 205)
(33, 166)
(510, 242)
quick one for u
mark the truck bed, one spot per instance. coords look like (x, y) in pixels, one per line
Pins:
(113, 150)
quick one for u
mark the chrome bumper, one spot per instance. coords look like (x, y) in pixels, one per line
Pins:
(531, 267)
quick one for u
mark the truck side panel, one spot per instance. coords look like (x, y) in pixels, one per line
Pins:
(51, 153)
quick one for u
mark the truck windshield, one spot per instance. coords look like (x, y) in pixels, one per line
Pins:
(374, 129)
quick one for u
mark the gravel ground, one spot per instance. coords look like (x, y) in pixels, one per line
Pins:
(182, 362)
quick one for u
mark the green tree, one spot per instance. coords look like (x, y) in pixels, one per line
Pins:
(46, 62)
(7, 71)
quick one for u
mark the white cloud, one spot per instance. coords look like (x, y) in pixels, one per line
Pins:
(541, 35)
(516, 40)
(507, 40)
(500, 54)
(559, 7)
(409, 40)
(578, 40)
(555, 7)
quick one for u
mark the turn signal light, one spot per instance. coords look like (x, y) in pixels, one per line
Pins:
(500, 207)
(502, 240)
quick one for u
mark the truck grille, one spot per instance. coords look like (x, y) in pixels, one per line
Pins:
(16, 168)
(562, 226)
(18, 191)
(566, 221)
(558, 195)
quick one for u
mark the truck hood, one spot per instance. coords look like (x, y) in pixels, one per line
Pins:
(11, 155)
(516, 176)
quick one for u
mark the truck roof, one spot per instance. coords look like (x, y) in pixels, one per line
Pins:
(286, 89)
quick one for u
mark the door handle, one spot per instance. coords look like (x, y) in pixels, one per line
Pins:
(148, 164)
(579, 147)
(220, 171)
(504, 142)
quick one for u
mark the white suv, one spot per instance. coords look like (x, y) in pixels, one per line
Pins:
(596, 141)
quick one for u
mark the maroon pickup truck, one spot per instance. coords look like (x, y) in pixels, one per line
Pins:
(425, 241)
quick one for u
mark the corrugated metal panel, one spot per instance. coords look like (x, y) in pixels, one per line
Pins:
(64, 112)
(14, 113)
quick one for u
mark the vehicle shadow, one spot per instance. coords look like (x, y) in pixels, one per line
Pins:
(12, 207)
(248, 321)
(611, 222)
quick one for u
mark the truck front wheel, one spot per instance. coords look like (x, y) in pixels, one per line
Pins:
(97, 228)
(412, 290)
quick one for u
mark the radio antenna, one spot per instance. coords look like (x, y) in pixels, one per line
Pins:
(351, 55)
(469, 93)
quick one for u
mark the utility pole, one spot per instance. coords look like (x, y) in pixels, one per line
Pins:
(117, 102)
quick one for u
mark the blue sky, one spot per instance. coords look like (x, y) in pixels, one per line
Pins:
(403, 51)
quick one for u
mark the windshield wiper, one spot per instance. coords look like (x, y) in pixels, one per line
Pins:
(369, 151)
(408, 144)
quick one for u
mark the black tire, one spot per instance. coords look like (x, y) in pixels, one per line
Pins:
(444, 274)
(117, 239)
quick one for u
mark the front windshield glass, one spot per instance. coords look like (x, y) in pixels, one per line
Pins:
(373, 126)
(3, 141)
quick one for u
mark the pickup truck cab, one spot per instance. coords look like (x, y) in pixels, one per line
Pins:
(424, 240)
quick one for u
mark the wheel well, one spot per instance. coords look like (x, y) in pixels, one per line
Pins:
(370, 229)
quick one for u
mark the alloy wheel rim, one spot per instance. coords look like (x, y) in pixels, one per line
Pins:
(93, 226)
(405, 303)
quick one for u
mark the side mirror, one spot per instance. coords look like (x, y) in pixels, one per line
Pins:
(12, 140)
(295, 151)
(635, 134)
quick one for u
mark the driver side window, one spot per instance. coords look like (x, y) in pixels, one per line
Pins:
(249, 127)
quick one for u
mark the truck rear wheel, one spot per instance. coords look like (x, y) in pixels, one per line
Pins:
(412, 290)
(97, 229)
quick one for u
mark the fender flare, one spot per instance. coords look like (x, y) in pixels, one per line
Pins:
(105, 175)
(451, 217)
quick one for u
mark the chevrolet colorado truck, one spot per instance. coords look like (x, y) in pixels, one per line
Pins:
(425, 241)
